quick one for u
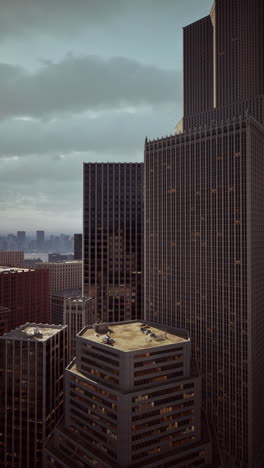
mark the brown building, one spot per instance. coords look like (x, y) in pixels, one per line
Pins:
(12, 257)
(113, 239)
(26, 294)
(32, 361)
(134, 402)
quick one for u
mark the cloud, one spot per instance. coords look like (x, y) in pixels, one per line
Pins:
(21, 17)
(80, 83)
(55, 17)
(118, 132)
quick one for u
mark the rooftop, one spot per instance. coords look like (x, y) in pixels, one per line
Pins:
(11, 269)
(131, 336)
(33, 332)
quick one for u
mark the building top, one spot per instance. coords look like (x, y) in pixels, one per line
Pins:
(11, 269)
(33, 332)
(63, 262)
(134, 335)
(67, 293)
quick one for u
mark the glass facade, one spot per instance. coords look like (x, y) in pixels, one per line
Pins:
(113, 239)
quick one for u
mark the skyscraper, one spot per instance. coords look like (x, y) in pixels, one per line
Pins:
(113, 239)
(40, 239)
(204, 223)
(135, 403)
(32, 361)
(21, 239)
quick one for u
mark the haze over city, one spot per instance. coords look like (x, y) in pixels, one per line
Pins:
(82, 81)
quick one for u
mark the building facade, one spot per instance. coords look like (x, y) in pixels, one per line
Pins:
(113, 239)
(57, 300)
(204, 268)
(12, 257)
(32, 361)
(63, 275)
(25, 292)
(133, 402)
(204, 222)
(4, 320)
(77, 246)
(78, 312)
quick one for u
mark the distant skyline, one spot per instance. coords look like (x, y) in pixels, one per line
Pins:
(82, 83)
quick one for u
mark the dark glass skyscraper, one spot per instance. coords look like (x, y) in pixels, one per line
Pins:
(113, 239)
(204, 223)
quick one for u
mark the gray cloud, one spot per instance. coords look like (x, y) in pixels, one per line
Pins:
(117, 132)
(77, 84)
(21, 17)
(24, 17)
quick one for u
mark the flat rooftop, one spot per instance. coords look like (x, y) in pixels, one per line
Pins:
(33, 332)
(11, 269)
(128, 336)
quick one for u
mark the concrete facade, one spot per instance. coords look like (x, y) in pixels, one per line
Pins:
(12, 258)
(135, 403)
(78, 312)
(63, 275)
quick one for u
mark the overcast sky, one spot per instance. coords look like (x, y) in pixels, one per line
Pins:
(82, 80)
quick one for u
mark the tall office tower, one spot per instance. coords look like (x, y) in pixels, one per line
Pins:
(204, 226)
(134, 402)
(4, 320)
(21, 239)
(57, 300)
(198, 64)
(12, 257)
(223, 64)
(40, 239)
(77, 246)
(26, 293)
(113, 239)
(32, 362)
(63, 275)
(78, 313)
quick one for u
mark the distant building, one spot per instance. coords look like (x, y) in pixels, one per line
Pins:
(63, 275)
(57, 300)
(40, 240)
(78, 313)
(134, 402)
(78, 246)
(58, 257)
(32, 362)
(12, 257)
(26, 293)
(113, 239)
(21, 239)
(4, 320)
